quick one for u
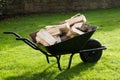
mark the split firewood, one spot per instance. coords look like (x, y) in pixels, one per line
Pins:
(72, 21)
(41, 41)
(85, 27)
(76, 15)
(63, 28)
(54, 31)
(76, 28)
(57, 38)
(46, 37)
(70, 34)
(64, 38)
(33, 36)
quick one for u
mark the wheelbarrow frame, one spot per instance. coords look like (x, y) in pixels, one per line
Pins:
(51, 53)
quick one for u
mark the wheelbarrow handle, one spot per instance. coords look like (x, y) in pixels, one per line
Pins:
(7, 32)
(21, 39)
(27, 41)
(32, 44)
(17, 35)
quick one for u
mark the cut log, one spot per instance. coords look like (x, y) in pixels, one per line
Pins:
(33, 36)
(44, 35)
(76, 15)
(80, 18)
(70, 34)
(57, 38)
(64, 38)
(64, 28)
(41, 41)
(54, 31)
(85, 27)
(76, 28)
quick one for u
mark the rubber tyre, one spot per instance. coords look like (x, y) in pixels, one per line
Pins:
(92, 56)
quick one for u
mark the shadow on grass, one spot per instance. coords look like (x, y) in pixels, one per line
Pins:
(44, 75)
(63, 75)
(74, 71)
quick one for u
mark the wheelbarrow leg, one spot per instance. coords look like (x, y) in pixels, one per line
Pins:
(47, 59)
(58, 61)
(70, 60)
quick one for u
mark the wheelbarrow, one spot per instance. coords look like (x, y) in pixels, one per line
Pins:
(90, 50)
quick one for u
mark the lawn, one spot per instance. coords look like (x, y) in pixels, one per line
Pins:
(18, 61)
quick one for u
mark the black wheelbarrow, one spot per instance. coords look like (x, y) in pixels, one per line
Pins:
(90, 50)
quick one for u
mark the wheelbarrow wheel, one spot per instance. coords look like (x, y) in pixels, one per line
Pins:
(91, 56)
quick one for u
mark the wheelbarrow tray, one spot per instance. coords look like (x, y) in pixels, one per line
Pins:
(72, 45)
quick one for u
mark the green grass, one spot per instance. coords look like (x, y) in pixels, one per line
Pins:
(20, 62)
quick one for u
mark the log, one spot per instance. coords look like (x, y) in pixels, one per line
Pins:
(76, 28)
(76, 15)
(70, 34)
(57, 38)
(54, 31)
(64, 28)
(46, 37)
(33, 36)
(41, 41)
(85, 27)
(64, 38)
(74, 20)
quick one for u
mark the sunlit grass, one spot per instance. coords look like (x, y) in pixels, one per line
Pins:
(20, 62)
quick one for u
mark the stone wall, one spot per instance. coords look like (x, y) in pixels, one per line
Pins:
(38, 6)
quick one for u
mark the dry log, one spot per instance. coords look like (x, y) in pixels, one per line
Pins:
(64, 38)
(85, 27)
(41, 41)
(70, 34)
(33, 36)
(64, 28)
(57, 38)
(76, 28)
(46, 37)
(54, 31)
(74, 20)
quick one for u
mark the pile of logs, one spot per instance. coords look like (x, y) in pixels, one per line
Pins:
(70, 28)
